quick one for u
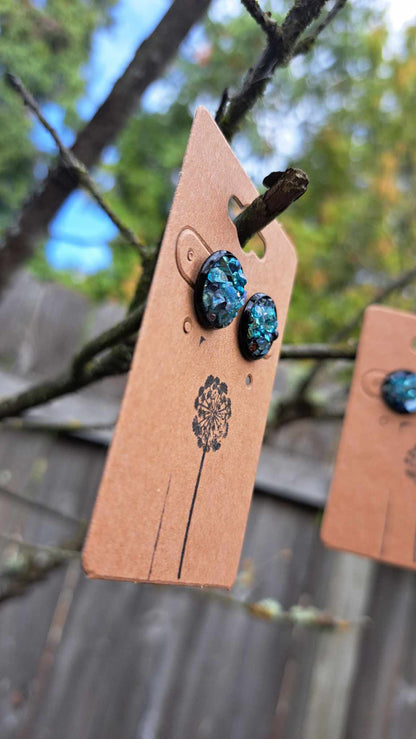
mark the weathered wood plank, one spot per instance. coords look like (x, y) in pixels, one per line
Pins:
(44, 326)
(383, 702)
(41, 324)
(64, 475)
(221, 668)
(336, 654)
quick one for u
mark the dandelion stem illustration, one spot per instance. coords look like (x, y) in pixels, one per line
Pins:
(158, 531)
(210, 426)
(385, 527)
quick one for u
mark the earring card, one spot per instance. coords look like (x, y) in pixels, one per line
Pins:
(176, 490)
(371, 508)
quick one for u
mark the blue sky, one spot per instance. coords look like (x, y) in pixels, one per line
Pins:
(81, 232)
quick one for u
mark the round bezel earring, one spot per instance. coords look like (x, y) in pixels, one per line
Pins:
(398, 390)
(219, 290)
(258, 326)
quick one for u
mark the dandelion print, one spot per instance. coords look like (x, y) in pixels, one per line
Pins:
(210, 426)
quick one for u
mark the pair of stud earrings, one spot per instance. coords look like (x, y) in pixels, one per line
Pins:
(219, 295)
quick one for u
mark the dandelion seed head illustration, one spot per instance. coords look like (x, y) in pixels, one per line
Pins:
(213, 412)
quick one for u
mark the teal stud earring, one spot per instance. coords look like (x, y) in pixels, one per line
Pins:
(219, 290)
(398, 391)
(258, 326)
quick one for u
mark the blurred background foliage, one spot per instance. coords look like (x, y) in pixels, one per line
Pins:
(343, 113)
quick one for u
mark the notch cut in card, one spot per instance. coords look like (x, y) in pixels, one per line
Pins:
(371, 508)
(175, 495)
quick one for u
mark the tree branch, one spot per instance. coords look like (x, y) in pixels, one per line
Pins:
(281, 44)
(149, 62)
(304, 45)
(68, 428)
(263, 18)
(284, 189)
(73, 164)
(30, 564)
(115, 361)
(318, 351)
(38, 506)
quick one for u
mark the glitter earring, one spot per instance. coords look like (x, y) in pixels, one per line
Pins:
(258, 326)
(398, 391)
(219, 290)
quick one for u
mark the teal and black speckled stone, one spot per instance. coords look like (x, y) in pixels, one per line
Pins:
(219, 290)
(399, 391)
(258, 326)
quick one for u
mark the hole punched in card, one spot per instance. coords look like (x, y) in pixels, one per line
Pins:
(176, 490)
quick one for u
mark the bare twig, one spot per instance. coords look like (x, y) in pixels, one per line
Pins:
(318, 351)
(263, 18)
(73, 164)
(222, 106)
(304, 45)
(280, 46)
(66, 428)
(36, 505)
(27, 564)
(114, 362)
(283, 189)
(117, 361)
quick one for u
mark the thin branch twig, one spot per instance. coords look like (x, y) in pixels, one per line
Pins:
(66, 428)
(73, 164)
(283, 189)
(304, 45)
(30, 564)
(262, 17)
(43, 508)
(115, 361)
(318, 351)
(280, 46)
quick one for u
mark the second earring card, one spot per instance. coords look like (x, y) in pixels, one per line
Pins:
(371, 508)
(176, 490)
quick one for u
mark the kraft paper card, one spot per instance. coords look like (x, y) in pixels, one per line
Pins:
(173, 505)
(371, 508)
